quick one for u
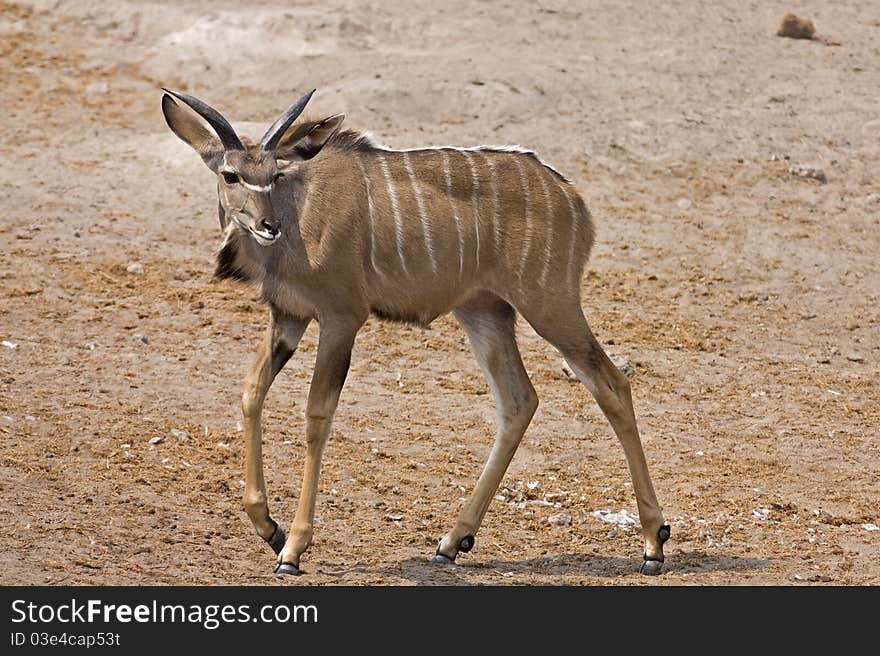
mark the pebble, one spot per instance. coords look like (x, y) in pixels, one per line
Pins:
(761, 513)
(811, 172)
(100, 88)
(141, 338)
(855, 357)
(10, 345)
(136, 268)
(559, 519)
(391, 517)
(157, 440)
(684, 204)
(870, 527)
(622, 518)
(874, 198)
(183, 436)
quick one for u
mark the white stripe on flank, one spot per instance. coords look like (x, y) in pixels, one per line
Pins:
(455, 216)
(398, 221)
(468, 149)
(574, 238)
(548, 246)
(475, 197)
(423, 215)
(370, 211)
(493, 183)
(527, 237)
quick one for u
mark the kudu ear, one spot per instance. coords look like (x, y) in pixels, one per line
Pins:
(193, 131)
(306, 140)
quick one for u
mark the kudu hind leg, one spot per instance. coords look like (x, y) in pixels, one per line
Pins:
(490, 329)
(331, 368)
(282, 337)
(570, 333)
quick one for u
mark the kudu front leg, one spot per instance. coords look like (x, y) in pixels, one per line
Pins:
(282, 337)
(331, 368)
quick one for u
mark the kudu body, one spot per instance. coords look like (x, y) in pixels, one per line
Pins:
(331, 227)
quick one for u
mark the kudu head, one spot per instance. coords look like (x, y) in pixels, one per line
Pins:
(248, 173)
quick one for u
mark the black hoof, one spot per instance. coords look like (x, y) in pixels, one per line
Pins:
(651, 567)
(440, 559)
(277, 540)
(287, 568)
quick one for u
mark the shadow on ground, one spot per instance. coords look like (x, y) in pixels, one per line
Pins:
(565, 566)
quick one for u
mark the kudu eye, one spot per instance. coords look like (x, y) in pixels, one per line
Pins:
(229, 177)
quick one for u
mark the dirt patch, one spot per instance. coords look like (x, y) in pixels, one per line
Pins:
(744, 296)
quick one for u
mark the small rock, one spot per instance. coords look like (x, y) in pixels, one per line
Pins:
(223, 445)
(871, 527)
(855, 357)
(183, 436)
(136, 268)
(141, 338)
(623, 518)
(157, 440)
(582, 517)
(91, 346)
(99, 88)
(761, 513)
(684, 204)
(10, 345)
(612, 533)
(559, 519)
(626, 367)
(392, 517)
(793, 27)
(874, 198)
(810, 172)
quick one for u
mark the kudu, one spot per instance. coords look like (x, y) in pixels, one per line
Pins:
(331, 226)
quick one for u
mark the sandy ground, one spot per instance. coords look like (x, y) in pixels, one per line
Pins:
(745, 295)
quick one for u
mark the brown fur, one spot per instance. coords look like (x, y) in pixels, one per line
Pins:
(328, 242)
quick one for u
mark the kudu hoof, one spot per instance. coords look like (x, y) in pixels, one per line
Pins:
(654, 566)
(287, 568)
(277, 540)
(440, 559)
(651, 567)
(465, 545)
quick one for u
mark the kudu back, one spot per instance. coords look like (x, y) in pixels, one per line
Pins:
(331, 226)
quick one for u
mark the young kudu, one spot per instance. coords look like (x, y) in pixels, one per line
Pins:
(331, 227)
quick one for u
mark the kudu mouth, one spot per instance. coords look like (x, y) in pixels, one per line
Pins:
(265, 232)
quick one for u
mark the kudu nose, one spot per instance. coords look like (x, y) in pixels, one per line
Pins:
(270, 226)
